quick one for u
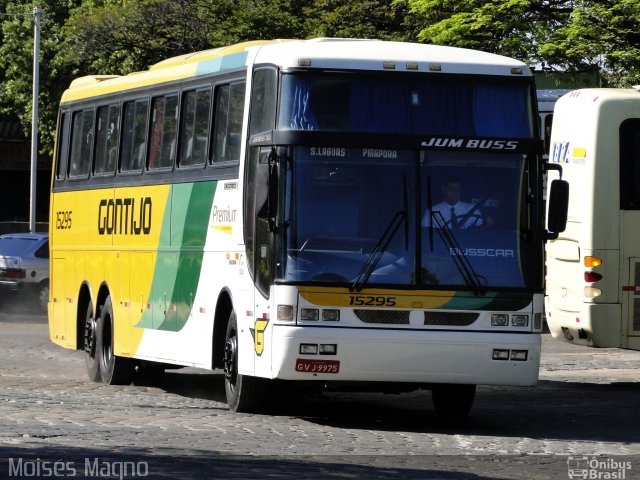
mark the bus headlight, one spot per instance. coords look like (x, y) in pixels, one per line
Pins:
(330, 315)
(285, 313)
(309, 314)
(520, 320)
(499, 320)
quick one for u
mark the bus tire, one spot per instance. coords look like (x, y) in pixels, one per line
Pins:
(453, 402)
(244, 393)
(43, 295)
(91, 352)
(114, 370)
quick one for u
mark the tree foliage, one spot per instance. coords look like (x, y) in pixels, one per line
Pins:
(16, 63)
(601, 35)
(82, 37)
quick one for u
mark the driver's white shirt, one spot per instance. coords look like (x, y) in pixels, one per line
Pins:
(460, 209)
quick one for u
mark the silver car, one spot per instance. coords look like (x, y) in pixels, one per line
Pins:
(24, 264)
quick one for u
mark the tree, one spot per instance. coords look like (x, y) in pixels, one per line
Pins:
(16, 61)
(509, 27)
(601, 35)
(381, 19)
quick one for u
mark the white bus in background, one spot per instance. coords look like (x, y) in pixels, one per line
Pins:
(547, 99)
(593, 268)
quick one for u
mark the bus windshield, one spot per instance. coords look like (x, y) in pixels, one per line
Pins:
(417, 218)
(408, 104)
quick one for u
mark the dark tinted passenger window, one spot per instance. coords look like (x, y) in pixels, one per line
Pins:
(263, 101)
(81, 144)
(194, 136)
(630, 164)
(107, 135)
(134, 135)
(228, 122)
(164, 129)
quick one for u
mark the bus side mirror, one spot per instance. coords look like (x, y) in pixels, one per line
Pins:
(272, 202)
(558, 207)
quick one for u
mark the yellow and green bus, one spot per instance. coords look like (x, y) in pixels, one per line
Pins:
(276, 210)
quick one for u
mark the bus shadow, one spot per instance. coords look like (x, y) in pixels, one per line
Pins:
(553, 410)
(203, 386)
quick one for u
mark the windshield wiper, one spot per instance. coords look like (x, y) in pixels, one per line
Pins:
(386, 237)
(461, 261)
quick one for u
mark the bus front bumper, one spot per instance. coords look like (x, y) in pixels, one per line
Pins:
(411, 356)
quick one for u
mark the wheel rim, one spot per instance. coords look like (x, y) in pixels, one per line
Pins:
(90, 336)
(231, 359)
(106, 341)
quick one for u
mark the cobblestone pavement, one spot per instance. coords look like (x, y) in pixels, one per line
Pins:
(587, 405)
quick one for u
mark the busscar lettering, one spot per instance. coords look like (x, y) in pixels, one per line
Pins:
(124, 216)
(482, 252)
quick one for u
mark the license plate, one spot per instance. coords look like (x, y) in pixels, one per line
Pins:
(305, 365)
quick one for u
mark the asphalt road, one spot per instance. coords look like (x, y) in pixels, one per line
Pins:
(585, 411)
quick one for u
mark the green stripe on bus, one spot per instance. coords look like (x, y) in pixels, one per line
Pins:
(186, 220)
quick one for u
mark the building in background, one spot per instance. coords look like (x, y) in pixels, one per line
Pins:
(15, 164)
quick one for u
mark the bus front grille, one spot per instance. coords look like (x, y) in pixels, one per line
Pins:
(383, 316)
(454, 319)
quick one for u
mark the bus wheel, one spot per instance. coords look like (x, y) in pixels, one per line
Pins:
(453, 402)
(91, 353)
(114, 370)
(244, 393)
(43, 295)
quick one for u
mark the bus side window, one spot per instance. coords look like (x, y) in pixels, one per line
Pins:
(630, 164)
(81, 143)
(164, 129)
(134, 135)
(228, 122)
(62, 145)
(263, 101)
(194, 127)
(107, 133)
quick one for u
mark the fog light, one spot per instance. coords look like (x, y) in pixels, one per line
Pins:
(520, 320)
(330, 315)
(499, 320)
(308, 349)
(519, 355)
(328, 349)
(285, 313)
(499, 354)
(309, 314)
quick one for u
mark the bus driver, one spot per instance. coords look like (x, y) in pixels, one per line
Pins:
(453, 212)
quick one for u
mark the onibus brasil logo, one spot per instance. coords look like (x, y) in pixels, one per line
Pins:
(596, 468)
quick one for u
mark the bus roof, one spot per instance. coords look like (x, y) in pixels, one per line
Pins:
(319, 53)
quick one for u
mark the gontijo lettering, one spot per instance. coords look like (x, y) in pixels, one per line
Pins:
(124, 216)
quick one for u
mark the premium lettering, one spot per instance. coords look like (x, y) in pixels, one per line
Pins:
(124, 216)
